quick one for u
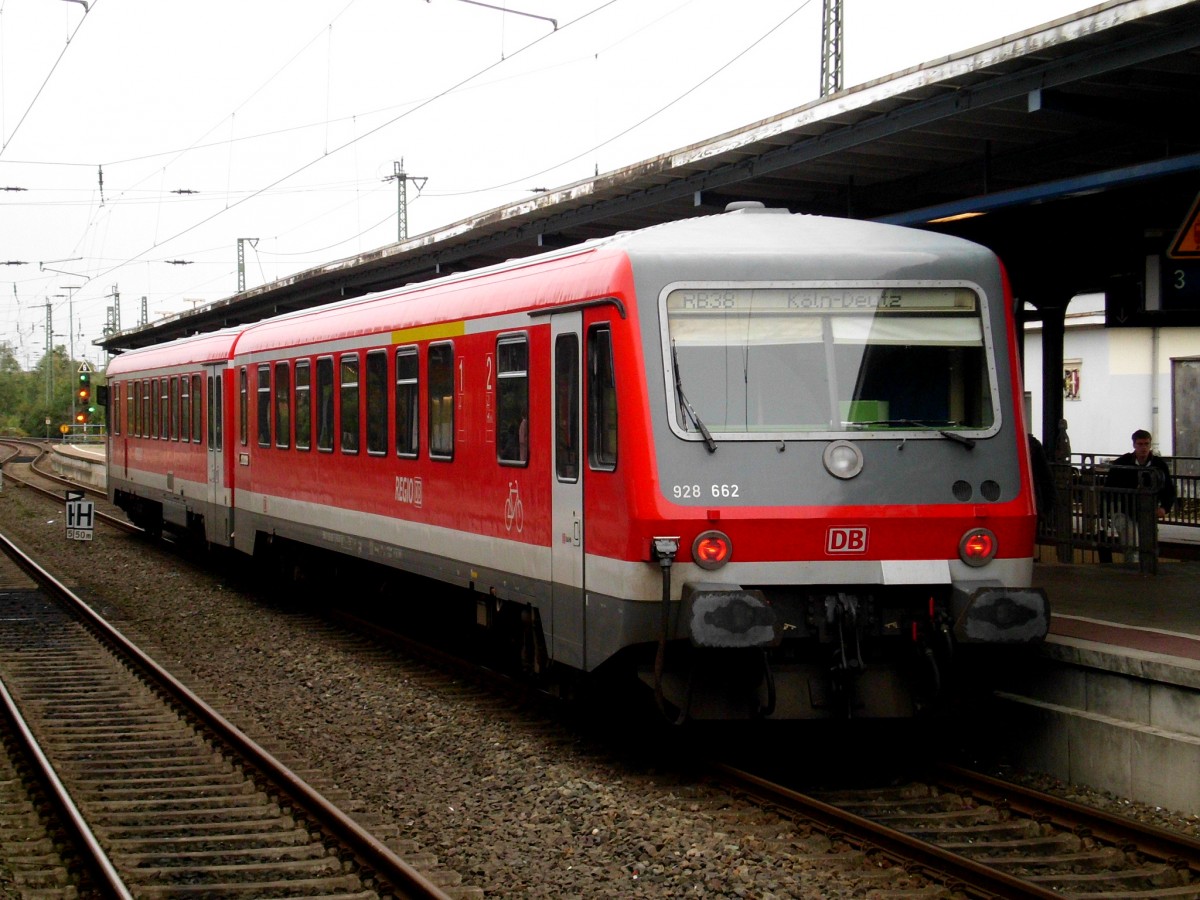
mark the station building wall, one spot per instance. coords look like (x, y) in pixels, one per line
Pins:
(1115, 380)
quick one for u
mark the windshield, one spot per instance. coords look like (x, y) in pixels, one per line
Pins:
(777, 361)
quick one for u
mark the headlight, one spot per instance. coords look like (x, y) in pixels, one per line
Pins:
(842, 459)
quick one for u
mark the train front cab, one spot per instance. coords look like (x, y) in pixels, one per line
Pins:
(904, 441)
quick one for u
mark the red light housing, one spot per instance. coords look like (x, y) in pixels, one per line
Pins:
(978, 547)
(712, 549)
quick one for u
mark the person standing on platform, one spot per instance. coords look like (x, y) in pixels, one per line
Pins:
(1125, 472)
(1139, 469)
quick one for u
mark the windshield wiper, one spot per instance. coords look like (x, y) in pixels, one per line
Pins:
(687, 407)
(967, 442)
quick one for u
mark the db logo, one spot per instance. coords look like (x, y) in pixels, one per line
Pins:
(846, 540)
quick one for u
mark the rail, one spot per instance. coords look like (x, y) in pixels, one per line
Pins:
(1098, 517)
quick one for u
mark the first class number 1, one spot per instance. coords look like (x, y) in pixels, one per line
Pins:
(697, 492)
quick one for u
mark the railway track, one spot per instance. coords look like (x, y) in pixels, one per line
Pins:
(984, 838)
(165, 798)
(24, 465)
(989, 838)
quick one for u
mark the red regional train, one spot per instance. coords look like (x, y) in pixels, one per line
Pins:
(775, 464)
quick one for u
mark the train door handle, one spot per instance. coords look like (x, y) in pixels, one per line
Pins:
(577, 536)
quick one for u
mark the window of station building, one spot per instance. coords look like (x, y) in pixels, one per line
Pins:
(303, 404)
(185, 409)
(243, 407)
(348, 380)
(602, 400)
(376, 412)
(441, 401)
(408, 439)
(512, 400)
(325, 429)
(283, 404)
(197, 411)
(566, 407)
(263, 408)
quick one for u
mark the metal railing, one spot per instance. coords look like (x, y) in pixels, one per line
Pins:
(1092, 520)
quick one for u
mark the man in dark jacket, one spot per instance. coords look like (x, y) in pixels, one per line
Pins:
(1131, 470)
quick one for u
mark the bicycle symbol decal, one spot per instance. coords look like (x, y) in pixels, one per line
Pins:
(514, 511)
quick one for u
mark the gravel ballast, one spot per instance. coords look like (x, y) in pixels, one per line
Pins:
(490, 799)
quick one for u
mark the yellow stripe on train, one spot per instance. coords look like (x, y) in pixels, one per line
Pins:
(429, 332)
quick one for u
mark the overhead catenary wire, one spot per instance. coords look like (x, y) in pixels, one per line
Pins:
(236, 198)
(304, 167)
(45, 81)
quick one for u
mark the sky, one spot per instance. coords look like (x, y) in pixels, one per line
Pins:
(141, 140)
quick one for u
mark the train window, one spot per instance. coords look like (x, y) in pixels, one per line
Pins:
(350, 403)
(154, 408)
(197, 411)
(376, 412)
(115, 414)
(211, 412)
(244, 408)
(566, 407)
(173, 403)
(163, 408)
(325, 403)
(283, 404)
(148, 407)
(263, 407)
(185, 408)
(512, 400)
(840, 358)
(303, 404)
(602, 400)
(441, 401)
(216, 406)
(408, 416)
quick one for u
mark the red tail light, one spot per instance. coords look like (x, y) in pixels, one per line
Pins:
(978, 547)
(712, 549)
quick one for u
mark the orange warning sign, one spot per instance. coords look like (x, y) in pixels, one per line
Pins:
(1187, 240)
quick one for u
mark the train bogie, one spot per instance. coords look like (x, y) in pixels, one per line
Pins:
(774, 463)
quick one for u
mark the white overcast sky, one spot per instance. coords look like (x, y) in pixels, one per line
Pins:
(282, 122)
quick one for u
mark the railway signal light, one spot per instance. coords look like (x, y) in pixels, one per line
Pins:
(85, 388)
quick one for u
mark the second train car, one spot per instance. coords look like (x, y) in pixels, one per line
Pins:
(776, 464)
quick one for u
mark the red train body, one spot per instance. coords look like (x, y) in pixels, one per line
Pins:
(774, 463)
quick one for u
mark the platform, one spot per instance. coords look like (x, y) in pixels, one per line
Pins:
(1112, 701)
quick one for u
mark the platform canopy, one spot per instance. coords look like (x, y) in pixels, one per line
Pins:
(1073, 149)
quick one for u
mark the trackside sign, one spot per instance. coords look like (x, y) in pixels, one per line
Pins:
(81, 516)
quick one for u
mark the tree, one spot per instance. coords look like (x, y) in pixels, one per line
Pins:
(29, 398)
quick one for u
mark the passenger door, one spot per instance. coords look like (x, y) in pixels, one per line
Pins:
(566, 628)
(217, 524)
